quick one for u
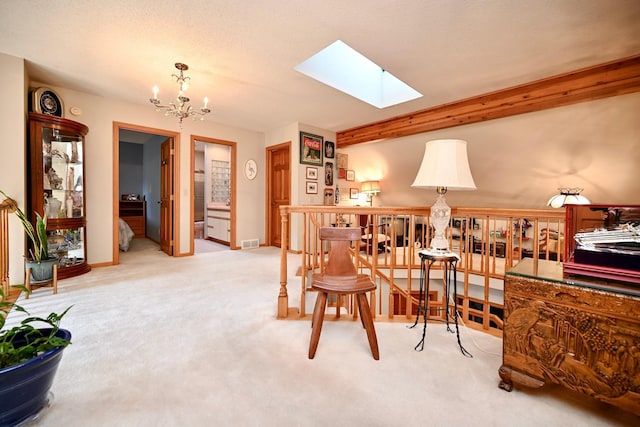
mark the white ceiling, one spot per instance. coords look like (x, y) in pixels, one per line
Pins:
(242, 53)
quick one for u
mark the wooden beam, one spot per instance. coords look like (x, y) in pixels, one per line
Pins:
(610, 79)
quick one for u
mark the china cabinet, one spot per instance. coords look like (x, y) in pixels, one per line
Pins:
(55, 183)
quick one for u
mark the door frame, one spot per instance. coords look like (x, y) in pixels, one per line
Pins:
(268, 197)
(117, 127)
(232, 207)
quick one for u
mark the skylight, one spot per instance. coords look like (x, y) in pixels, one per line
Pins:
(343, 68)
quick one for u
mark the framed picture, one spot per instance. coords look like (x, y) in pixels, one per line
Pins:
(351, 175)
(310, 149)
(328, 174)
(342, 161)
(342, 173)
(329, 197)
(312, 173)
(353, 193)
(312, 187)
(329, 149)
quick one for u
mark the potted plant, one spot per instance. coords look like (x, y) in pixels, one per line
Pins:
(40, 262)
(29, 359)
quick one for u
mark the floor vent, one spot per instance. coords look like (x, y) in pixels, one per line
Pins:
(250, 244)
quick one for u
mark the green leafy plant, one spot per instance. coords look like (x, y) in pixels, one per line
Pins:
(37, 235)
(24, 341)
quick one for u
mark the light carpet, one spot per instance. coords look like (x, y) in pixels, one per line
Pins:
(194, 341)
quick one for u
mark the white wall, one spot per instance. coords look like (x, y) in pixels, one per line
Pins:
(298, 171)
(98, 114)
(516, 162)
(520, 161)
(13, 83)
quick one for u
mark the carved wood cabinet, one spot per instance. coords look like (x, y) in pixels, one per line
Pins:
(55, 182)
(579, 333)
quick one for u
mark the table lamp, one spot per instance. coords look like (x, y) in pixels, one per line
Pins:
(444, 167)
(370, 188)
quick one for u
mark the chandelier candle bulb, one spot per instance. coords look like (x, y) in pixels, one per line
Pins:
(206, 102)
(155, 92)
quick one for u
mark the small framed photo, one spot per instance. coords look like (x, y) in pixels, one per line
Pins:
(329, 197)
(351, 175)
(342, 161)
(342, 173)
(353, 193)
(329, 149)
(311, 149)
(312, 187)
(312, 173)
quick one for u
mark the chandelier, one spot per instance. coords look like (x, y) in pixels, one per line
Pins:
(180, 109)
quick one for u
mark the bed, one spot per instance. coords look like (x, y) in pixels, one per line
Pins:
(126, 234)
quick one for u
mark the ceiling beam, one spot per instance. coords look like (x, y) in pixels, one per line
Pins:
(610, 79)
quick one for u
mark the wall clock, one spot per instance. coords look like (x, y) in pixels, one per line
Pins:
(250, 169)
(47, 101)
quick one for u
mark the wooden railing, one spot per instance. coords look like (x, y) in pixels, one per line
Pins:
(488, 241)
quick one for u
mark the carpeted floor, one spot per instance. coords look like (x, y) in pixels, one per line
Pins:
(193, 341)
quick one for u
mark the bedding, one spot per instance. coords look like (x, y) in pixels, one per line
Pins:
(126, 234)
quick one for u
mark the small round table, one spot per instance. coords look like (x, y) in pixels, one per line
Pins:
(450, 263)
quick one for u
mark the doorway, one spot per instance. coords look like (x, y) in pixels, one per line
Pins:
(278, 189)
(213, 205)
(150, 180)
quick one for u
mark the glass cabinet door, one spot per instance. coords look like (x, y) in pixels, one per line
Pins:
(62, 174)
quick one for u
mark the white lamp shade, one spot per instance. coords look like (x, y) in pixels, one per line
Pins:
(568, 196)
(445, 164)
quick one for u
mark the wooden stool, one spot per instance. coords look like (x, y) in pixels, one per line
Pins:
(341, 277)
(54, 281)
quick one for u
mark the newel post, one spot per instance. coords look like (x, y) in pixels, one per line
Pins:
(283, 297)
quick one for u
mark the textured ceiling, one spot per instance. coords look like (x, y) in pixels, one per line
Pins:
(242, 53)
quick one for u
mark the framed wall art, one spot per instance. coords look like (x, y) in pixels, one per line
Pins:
(328, 174)
(329, 197)
(310, 149)
(312, 173)
(351, 175)
(329, 149)
(353, 193)
(342, 161)
(342, 173)
(312, 187)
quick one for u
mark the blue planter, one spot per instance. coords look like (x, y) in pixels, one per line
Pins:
(24, 387)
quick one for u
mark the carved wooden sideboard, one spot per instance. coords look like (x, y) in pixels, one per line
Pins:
(580, 333)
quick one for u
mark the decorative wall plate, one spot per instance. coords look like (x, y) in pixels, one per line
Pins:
(250, 169)
(47, 101)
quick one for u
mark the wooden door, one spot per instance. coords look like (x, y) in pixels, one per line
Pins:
(166, 197)
(278, 188)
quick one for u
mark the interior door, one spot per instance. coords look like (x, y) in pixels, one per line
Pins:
(166, 196)
(279, 188)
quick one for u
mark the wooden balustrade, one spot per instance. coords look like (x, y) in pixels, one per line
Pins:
(6, 207)
(488, 241)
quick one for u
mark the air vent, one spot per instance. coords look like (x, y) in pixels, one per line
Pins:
(250, 244)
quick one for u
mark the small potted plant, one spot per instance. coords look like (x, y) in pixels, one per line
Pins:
(29, 358)
(39, 261)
